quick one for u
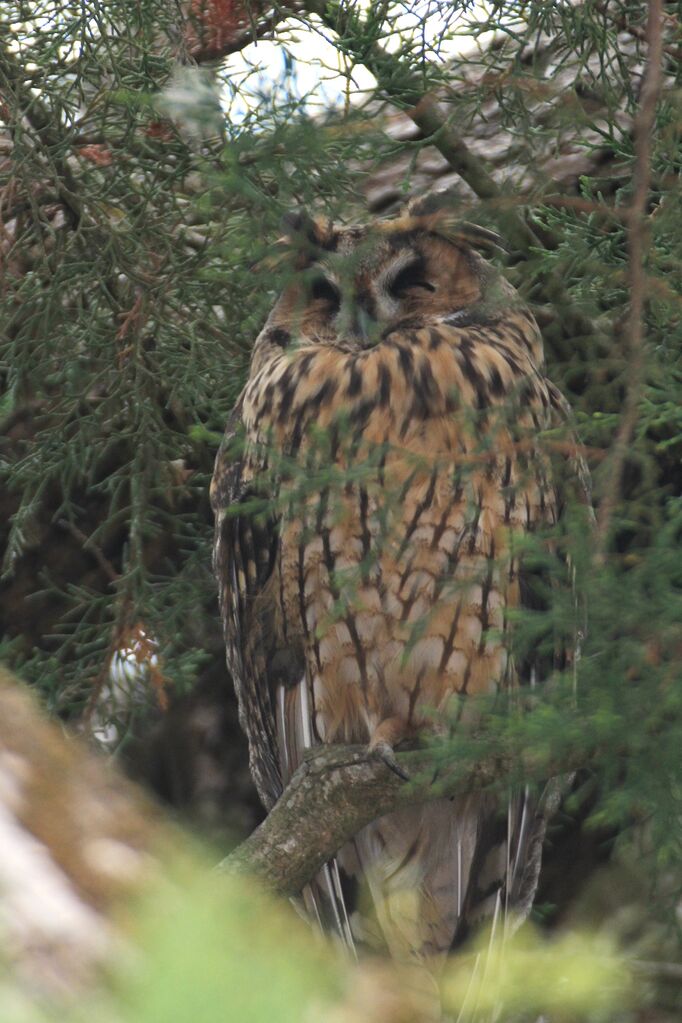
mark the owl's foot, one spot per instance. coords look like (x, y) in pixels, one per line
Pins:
(386, 735)
(384, 751)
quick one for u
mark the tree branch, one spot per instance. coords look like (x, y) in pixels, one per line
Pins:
(337, 790)
(216, 28)
(638, 245)
(44, 127)
(426, 111)
(405, 89)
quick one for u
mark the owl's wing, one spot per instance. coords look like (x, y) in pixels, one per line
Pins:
(275, 709)
(246, 545)
(327, 898)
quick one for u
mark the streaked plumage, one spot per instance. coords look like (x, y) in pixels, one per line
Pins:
(388, 458)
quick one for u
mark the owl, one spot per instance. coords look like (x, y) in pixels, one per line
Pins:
(378, 481)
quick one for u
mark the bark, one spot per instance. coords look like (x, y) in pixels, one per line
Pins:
(215, 28)
(339, 789)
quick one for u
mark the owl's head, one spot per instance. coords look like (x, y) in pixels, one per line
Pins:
(352, 286)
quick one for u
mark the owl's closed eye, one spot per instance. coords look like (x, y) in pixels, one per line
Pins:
(352, 286)
(398, 391)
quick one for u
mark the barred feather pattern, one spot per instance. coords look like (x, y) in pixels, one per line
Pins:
(367, 535)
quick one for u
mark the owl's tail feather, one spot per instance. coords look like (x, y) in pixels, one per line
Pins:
(326, 904)
(324, 899)
(418, 882)
(429, 873)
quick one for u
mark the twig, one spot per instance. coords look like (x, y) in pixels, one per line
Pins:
(638, 245)
(210, 35)
(92, 548)
(623, 23)
(424, 109)
(574, 202)
(45, 127)
(405, 89)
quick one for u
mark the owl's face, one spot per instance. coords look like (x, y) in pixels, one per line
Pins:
(355, 285)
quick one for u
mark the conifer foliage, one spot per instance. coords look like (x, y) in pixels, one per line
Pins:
(128, 306)
(142, 182)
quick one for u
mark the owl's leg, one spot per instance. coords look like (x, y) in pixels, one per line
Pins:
(387, 734)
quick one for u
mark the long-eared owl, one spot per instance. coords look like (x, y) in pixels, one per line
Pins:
(379, 474)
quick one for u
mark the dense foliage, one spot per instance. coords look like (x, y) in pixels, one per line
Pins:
(136, 230)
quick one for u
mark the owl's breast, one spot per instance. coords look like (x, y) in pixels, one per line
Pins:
(410, 377)
(399, 607)
(403, 476)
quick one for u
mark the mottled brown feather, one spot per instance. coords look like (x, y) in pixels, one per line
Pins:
(402, 462)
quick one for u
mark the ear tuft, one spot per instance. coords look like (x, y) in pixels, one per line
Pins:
(304, 233)
(437, 212)
(479, 237)
(298, 225)
(433, 202)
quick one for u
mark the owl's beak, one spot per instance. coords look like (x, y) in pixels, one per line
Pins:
(357, 323)
(366, 327)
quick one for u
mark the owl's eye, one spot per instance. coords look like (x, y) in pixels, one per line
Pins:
(411, 276)
(321, 288)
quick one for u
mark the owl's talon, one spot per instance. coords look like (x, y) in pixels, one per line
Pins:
(384, 751)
